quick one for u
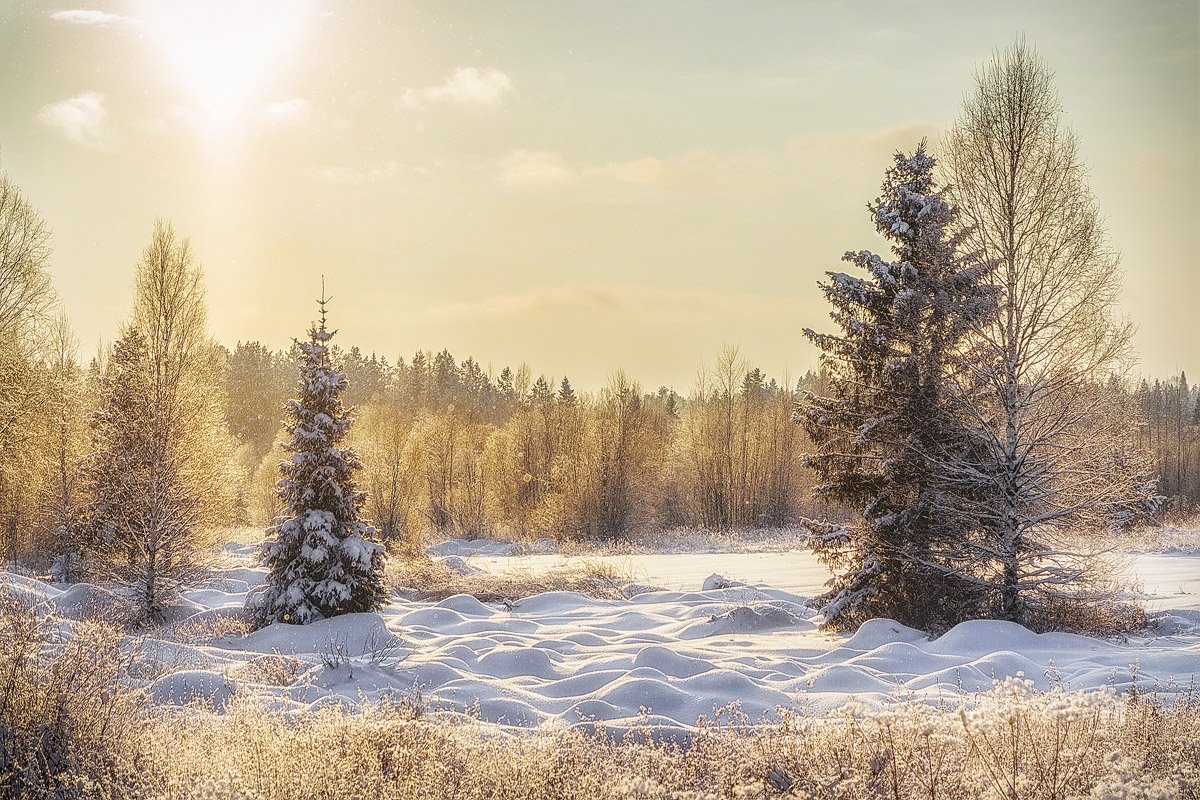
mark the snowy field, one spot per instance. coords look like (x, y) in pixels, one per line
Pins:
(664, 657)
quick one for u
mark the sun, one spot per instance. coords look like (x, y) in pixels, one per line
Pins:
(222, 50)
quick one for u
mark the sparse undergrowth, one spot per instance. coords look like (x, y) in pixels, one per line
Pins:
(1014, 743)
(422, 578)
(1102, 617)
(695, 540)
(652, 540)
(1180, 536)
(67, 727)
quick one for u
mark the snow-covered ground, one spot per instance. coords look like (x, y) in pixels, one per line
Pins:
(1167, 580)
(664, 657)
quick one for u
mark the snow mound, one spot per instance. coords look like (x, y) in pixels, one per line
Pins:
(25, 590)
(86, 601)
(747, 619)
(662, 658)
(878, 632)
(472, 547)
(347, 636)
(715, 581)
(458, 564)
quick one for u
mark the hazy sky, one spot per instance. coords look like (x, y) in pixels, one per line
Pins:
(577, 185)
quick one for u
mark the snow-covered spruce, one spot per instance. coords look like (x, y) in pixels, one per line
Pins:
(320, 556)
(890, 438)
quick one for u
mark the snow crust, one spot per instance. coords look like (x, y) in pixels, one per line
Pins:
(664, 657)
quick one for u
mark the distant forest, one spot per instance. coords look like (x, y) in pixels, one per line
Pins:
(450, 447)
(720, 456)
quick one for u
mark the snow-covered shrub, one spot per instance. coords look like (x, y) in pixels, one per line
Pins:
(428, 579)
(68, 726)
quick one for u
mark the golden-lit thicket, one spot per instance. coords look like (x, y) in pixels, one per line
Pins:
(447, 448)
(51, 486)
(387, 477)
(55, 474)
(736, 462)
(451, 449)
(160, 474)
(1169, 432)
(590, 467)
(445, 453)
(26, 367)
(62, 494)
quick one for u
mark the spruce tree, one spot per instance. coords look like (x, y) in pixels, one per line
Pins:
(115, 471)
(140, 523)
(566, 393)
(321, 557)
(889, 443)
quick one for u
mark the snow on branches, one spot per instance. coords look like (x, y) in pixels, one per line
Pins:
(889, 441)
(321, 557)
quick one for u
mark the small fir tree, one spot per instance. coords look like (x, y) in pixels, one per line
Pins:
(889, 437)
(321, 557)
(566, 393)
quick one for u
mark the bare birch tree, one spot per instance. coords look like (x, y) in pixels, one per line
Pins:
(1056, 459)
(26, 297)
(26, 294)
(62, 503)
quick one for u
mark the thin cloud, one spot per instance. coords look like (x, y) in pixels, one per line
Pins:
(697, 170)
(89, 16)
(389, 171)
(631, 299)
(535, 168)
(466, 86)
(296, 110)
(703, 171)
(80, 118)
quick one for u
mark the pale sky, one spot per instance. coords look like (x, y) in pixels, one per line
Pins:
(581, 186)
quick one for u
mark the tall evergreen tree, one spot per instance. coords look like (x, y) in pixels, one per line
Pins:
(321, 557)
(444, 380)
(140, 523)
(122, 443)
(1195, 413)
(504, 383)
(254, 395)
(566, 393)
(888, 439)
(417, 388)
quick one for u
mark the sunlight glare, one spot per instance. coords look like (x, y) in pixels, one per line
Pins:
(222, 49)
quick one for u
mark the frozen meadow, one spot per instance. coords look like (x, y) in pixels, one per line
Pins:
(698, 632)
